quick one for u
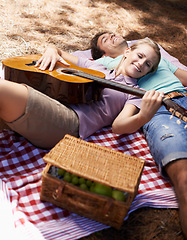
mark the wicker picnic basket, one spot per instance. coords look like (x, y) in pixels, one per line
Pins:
(96, 163)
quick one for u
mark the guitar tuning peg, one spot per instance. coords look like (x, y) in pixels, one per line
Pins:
(179, 120)
(173, 113)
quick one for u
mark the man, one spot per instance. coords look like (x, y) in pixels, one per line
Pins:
(171, 163)
(104, 44)
(107, 44)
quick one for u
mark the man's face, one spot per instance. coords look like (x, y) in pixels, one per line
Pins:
(113, 45)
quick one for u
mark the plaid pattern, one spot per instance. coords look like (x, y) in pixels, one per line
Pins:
(21, 165)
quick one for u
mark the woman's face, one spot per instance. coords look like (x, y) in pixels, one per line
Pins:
(139, 61)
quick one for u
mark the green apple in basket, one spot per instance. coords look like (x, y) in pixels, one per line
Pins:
(74, 180)
(82, 180)
(61, 172)
(102, 189)
(84, 186)
(67, 177)
(118, 195)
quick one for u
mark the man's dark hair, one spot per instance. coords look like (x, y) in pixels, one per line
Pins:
(95, 50)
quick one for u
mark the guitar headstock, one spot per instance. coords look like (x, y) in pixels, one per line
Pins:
(176, 110)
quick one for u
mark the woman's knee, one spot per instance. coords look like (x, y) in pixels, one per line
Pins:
(13, 100)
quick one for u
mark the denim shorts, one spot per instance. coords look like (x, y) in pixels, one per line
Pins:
(45, 121)
(166, 138)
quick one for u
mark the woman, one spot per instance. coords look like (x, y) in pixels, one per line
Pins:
(45, 121)
(166, 135)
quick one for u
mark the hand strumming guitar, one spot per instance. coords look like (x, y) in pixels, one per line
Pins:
(52, 55)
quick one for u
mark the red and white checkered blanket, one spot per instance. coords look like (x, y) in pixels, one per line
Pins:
(23, 213)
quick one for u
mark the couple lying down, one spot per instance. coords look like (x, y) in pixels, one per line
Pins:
(24, 109)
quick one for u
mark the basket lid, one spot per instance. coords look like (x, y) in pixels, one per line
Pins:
(97, 163)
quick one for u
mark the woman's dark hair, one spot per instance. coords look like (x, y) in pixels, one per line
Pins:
(95, 50)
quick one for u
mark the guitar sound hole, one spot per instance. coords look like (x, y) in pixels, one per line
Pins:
(64, 71)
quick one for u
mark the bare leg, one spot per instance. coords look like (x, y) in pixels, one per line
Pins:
(13, 100)
(177, 172)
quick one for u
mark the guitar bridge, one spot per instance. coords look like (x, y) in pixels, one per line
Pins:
(31, 64)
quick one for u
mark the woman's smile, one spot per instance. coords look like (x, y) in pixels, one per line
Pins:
(137, 68)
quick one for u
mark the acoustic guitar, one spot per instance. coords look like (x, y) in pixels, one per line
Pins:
(56, 84)
(71, 84)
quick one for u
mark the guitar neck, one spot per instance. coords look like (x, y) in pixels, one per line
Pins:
(111, 84)
(171, 106)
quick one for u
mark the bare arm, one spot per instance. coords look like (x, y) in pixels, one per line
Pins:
(52, 55)
(131, 118)
(182, 76)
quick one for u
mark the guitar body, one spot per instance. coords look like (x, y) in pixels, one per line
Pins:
(56, 84)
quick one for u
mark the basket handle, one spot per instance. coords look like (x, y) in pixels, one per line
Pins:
(107, 207)
(57, 193)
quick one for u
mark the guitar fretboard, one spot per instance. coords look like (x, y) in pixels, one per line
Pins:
(107, 83)
(174, 108)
